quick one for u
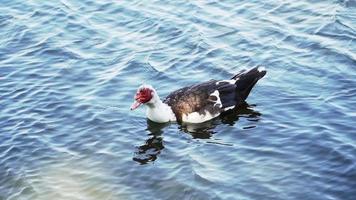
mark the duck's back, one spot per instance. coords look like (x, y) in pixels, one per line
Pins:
(204, 101)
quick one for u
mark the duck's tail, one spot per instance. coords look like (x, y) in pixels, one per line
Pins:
(246, 79)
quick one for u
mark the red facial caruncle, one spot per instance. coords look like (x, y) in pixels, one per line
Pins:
(142, 96)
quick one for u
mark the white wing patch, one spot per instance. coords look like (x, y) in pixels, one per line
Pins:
(218, 100)
(261, 69)
(231, 81)
(229, 108)
(195, 117)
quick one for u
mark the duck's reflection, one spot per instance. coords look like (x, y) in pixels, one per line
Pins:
(153, 145)
(149, 151)
(207, 129)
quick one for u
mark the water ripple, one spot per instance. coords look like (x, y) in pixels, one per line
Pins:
(69, 70)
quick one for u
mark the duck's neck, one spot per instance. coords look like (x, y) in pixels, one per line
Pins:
(158, 111)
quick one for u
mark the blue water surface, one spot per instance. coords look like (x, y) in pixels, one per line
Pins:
(69, 70)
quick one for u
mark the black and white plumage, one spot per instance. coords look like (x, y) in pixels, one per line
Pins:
(200, 102)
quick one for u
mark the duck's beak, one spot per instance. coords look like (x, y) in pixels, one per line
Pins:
(135, 105)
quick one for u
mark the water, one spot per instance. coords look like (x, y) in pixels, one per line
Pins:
(69, 70)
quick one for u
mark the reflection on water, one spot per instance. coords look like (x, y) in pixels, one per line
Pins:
(62, 62)
(206, 130)
(153, 145)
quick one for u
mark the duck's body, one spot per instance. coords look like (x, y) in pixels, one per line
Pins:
(201, 102)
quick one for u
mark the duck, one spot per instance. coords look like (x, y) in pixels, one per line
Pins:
(200, 102)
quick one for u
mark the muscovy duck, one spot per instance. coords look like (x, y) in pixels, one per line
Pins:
(201, 102)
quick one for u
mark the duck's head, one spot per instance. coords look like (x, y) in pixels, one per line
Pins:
(145, 94)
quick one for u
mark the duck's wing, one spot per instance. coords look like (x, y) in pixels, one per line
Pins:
(207, 99)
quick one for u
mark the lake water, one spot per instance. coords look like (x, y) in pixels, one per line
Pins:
(69, 70)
